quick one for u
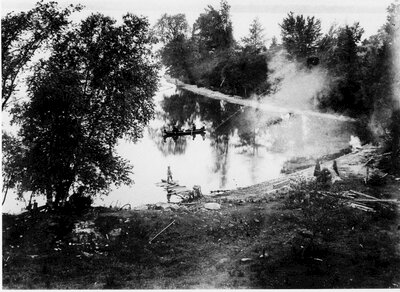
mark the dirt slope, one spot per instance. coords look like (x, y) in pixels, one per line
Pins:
(257, 239)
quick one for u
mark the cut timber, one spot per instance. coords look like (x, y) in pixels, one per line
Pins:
(361, 207)
(178, 189)
(370, 161)
(362, 195)
(378, 200)
(349, 195)
(174, 189)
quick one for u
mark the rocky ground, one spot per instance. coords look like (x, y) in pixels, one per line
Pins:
(287, 233)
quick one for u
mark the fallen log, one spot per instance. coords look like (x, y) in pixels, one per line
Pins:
(178, 188)
(378, 200)
(384, 154)
(361, 207)
(362, 195)
(348, 195)
(371, 160)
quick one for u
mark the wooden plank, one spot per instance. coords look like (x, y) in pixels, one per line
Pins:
(377, 200)
(361, 207)
(369, 160)
(178, 189)
(349, 195)
(362, 194)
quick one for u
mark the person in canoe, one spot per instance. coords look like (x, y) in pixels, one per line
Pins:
(193, 130)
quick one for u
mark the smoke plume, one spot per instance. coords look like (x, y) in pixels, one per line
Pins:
(295, 86)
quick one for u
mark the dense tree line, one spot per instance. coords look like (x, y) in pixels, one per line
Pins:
(360, 69)
(210, 57)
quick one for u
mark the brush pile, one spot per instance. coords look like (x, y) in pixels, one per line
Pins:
(361, 201)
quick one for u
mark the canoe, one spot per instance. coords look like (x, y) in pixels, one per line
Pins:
(200, 131)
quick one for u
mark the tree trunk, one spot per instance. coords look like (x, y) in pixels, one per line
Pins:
(395, 140)
(5, 196)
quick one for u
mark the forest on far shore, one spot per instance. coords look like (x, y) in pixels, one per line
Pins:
(360, 69)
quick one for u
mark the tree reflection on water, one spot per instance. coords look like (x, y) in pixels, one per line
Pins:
(168, 146)
(226, 125)
(222, 120)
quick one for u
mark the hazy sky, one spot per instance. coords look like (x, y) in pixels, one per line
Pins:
(370, 13)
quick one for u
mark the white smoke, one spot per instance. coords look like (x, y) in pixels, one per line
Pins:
(295, 90)
(355, 143)
(295, 86)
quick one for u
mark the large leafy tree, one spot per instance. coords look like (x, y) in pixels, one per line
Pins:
(213, 30)
(95, 88)
(22, 35)
(171, 27)
(242, 74)
(300, 35)
(177, 53)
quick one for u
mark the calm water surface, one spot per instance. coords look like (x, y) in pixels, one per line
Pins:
(242, 146)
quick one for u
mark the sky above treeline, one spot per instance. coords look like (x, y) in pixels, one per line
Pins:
(371, 14)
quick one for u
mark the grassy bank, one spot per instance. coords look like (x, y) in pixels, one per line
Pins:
(299, 239)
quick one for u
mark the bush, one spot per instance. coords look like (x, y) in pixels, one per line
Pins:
(78, 202)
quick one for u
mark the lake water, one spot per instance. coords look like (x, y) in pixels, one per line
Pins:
(242, 146)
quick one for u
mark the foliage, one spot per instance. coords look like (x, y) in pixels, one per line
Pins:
(255, 42)
(177, 56)
(95, 88)
(171, 27)
(300, 35)
(23, 34)
(389, 79)
(241, 74)
(209, 57)
(177, 53)
(340, 53)
(340, 47)
(12, 163)
(361, 74)
(213, 30)
(393, 142)
(78, 203)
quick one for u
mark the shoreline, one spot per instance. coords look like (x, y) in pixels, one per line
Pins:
(247, 238)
